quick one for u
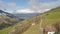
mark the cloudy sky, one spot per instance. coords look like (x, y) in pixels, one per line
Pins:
(28, 6)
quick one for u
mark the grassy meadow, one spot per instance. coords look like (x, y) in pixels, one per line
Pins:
(50, 18)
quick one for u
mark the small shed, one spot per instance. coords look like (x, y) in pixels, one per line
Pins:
(49, 29)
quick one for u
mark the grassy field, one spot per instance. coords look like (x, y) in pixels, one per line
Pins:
(6, 30)
(34, 29)
(51, 17)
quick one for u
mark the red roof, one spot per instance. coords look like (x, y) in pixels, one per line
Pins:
(49, 28)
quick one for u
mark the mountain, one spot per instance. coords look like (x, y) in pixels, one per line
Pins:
(26, 16)
(9, 15)
(7, 19)
(32, 25)
(48, 19)
(21, 16)
(6, 14)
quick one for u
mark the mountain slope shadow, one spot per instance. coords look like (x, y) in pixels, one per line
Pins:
(7, 19)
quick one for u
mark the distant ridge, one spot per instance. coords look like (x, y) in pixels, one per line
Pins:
(7, 14)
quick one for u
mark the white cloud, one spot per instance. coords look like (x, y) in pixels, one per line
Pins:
(58, 0)
(11, 4)
(19, 11)
(2, 5)
(9, 11)
(36, 6)
(1, 1)
(25, 11)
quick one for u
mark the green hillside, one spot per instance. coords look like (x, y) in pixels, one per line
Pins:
(25, 27)
(49, 18)
(6, 24)
(6, 21)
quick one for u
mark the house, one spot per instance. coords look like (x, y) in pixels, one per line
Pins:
(49, 30)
